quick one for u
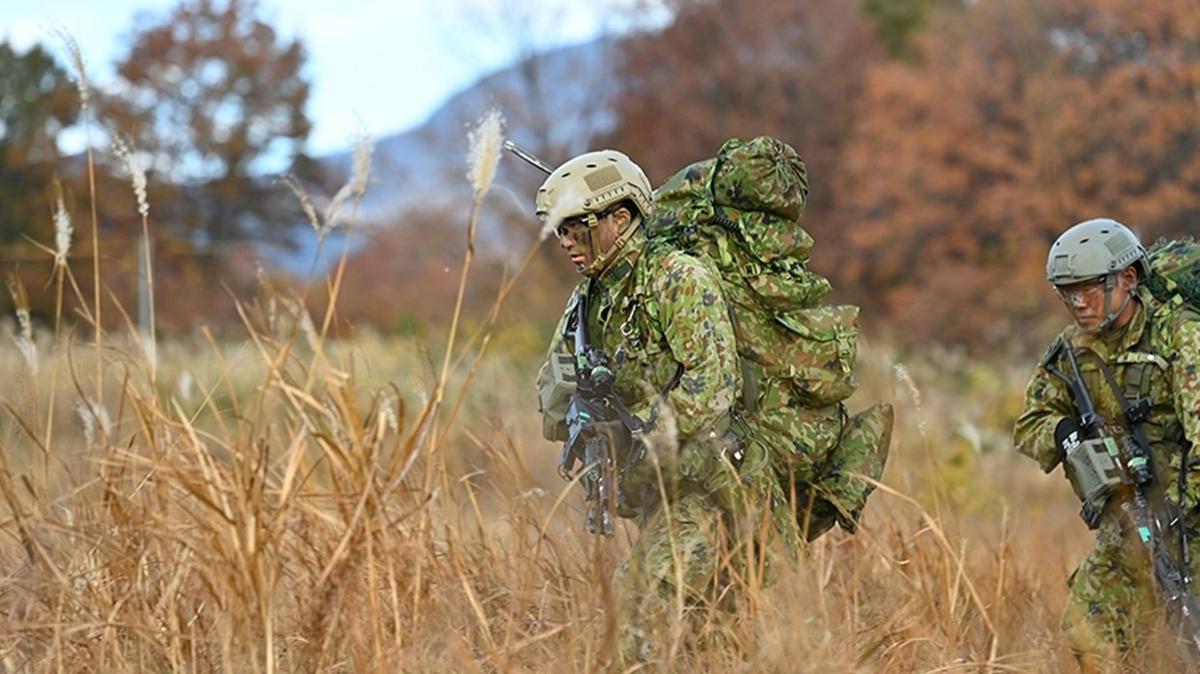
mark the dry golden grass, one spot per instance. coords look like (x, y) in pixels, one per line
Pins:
(291, 504)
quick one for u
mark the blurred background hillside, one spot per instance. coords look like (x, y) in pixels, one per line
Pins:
(948, 142)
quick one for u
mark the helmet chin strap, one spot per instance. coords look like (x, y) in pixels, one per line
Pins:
(600, 260)
(593, 245)
(1110, 282)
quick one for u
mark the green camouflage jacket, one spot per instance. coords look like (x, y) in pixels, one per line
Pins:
(655, 310)
(1167, 336)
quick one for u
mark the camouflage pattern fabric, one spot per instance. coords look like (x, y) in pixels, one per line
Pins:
(1175, 266)
(689, 564)
(1112, 602)
(837, 495)
(652, 311)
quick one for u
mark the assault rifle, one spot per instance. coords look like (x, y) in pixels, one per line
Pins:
(599, 428)
(1104, 467)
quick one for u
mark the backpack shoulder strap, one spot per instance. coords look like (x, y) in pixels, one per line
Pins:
(1137, 373)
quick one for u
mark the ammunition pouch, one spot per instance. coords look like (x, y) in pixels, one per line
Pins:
(1093, 470)
(556, 385)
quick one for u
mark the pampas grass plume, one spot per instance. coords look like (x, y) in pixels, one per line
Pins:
(75, 57)
(25, 340)
(483, 152)
(94, 418)
(363, 149)
(355, 187)
(137, 174)
(306, 203)
(556, 215)
(903, 375)
(24, 336)
(62, 229)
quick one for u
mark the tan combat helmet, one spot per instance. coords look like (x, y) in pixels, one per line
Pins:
(1096, 249)
(588, 185)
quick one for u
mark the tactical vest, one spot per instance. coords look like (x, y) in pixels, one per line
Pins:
(1141, 374)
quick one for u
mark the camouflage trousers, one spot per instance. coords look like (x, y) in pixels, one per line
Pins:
(694, 559)
(698, 556)
(1113, 606)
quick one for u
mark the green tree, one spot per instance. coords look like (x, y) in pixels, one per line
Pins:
(897, 22)
(216, 97)
(37, 100)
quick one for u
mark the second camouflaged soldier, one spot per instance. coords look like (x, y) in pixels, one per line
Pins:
(1130, 347)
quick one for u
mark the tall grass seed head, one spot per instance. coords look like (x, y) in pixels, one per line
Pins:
(483, 151)
(94, 417)
(355, 187)
(387, 409)
(306, 203)
(24, 336)
(903, 375)
(137, 173)
(663, 440)
(25, 341)
(62, 235)
(363, 149)
(62, 228)
(78, 64)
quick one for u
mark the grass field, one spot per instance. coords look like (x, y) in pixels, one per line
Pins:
(283, 503)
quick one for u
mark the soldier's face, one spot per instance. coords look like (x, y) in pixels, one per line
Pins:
(1086, 300)
(573, 237)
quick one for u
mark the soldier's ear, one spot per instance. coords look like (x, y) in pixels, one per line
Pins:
(1130, 276)
(621, 218)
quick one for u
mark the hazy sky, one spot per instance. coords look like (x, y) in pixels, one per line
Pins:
(379, 66)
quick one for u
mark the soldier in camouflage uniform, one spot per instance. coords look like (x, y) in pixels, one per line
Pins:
(661, 317)
(1099, 270)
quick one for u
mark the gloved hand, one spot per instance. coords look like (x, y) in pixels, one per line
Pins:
(1067, 436)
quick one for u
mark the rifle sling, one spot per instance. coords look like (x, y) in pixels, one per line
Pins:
(1139, 436)
(1134, 422)
(1137, 388)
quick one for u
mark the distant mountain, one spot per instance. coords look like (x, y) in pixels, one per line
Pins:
(553, 102)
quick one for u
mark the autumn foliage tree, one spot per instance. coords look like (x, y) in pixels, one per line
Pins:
(1019, 119)
(723, 68)
(215, 97)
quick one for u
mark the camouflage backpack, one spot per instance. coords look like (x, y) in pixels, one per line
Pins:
(1175, 271)
(743, 209)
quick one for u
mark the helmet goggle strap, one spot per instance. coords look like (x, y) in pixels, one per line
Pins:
(593, 243)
